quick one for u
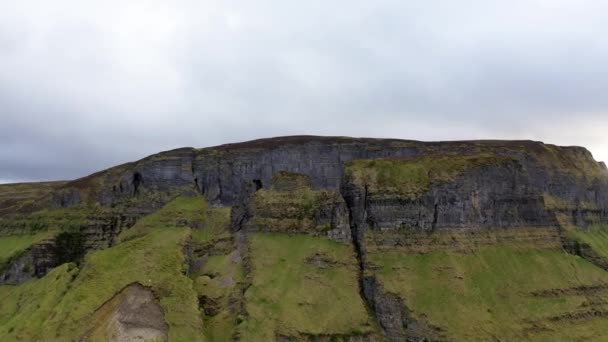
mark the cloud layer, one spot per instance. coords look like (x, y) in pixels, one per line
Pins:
(86, 85)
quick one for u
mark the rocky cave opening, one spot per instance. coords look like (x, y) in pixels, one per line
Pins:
(137, 180)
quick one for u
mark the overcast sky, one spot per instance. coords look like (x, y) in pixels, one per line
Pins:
(85, 85)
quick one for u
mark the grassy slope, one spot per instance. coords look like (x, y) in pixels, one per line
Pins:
(26, 309)
(152, 257)
(488, 293)
(472, 296)
(289, 295)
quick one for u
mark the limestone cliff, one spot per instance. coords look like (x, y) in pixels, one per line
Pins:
(376, 196)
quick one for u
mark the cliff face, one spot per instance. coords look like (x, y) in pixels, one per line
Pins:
(481, 184)
(384, 202)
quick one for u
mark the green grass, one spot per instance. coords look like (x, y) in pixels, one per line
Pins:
(219, 280)
(48, 219)
(290, 295)
(15, 244)
(487, 294)
(411, 177)
(154, 260)
(25, 310)
(180, 212)
(214, 225)
(596, 236)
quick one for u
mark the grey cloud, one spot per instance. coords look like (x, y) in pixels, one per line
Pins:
(84, 86)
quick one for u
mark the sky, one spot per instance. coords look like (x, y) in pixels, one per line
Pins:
(85, 85)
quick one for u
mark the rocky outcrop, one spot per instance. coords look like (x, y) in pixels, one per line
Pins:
(487, 183)
(290, 205)
(394, 318)
(492, 194)
(585, 251)
(99, 231)
(328, 338)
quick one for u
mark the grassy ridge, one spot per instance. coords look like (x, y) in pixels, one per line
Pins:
(192, 212)
(154, 260)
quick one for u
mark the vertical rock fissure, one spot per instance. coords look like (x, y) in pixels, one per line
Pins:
(390, 314)
(357, 242)
(239, 307)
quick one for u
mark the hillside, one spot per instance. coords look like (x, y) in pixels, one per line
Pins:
(313, 239)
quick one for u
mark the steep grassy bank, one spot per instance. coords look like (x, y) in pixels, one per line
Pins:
(303, 286)
(499, 292)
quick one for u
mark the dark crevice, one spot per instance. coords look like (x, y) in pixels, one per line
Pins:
(239, 214)
(357, 244)
(220, 193)
(198, 188)
(136, 181)
(435, 217)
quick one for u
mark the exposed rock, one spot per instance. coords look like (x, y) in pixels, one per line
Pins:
(132, 315)
(209, 305)
(65, 198)
(585, 251)
(34, 262)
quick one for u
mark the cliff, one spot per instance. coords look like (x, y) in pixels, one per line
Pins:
(329, 238)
